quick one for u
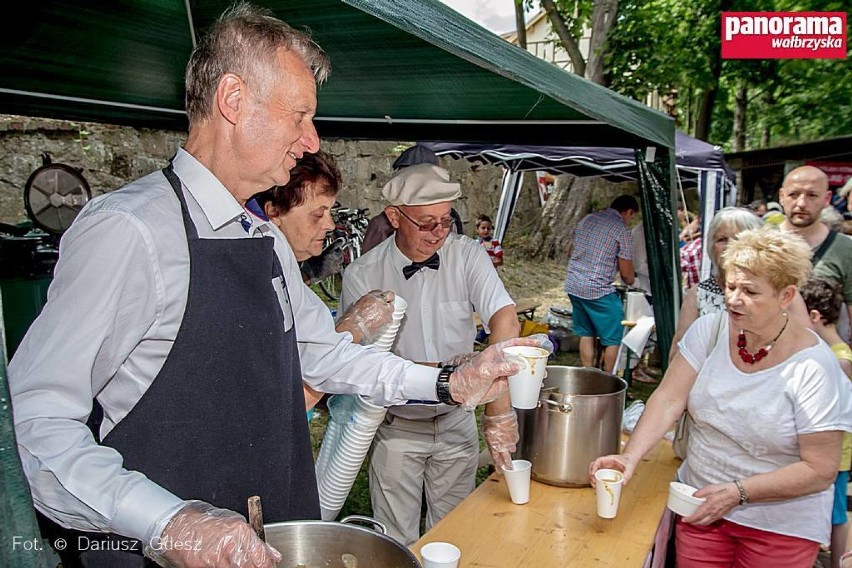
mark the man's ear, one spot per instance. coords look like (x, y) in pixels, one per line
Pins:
(231, 97)
(392, 213)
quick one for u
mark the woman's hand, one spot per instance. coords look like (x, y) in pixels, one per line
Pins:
(621, 462)
(720, 500)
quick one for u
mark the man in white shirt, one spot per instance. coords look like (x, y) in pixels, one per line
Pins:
(178, 309)
(444, 277)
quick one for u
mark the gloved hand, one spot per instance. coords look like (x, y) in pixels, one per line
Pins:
(501, 435)
(483, 378)
(460, 359)
(367, 318)
(543, 341)
(327, 263)
(203, 535)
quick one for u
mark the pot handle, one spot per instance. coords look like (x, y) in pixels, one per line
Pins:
(361, 519)
(565, 407)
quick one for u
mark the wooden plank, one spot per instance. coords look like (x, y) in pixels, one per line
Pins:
(559, 526)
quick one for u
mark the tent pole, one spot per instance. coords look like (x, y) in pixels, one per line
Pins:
(508, 198)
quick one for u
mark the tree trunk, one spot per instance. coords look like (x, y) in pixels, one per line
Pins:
(569, 202)
(570, 44)
(740, 107)
(766, 131)
(603, 18)
(708, 98)
(521, 24)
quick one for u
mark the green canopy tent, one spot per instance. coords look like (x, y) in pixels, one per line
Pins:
(402, 70)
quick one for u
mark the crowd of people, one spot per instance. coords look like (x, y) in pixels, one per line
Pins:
(200, 348)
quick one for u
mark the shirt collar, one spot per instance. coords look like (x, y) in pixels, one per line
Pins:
(215, 201)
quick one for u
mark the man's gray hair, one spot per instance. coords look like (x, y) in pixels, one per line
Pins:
(244, 40)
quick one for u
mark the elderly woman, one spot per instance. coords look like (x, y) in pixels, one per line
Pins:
(707, 297)
(302, 210)
(770, 406)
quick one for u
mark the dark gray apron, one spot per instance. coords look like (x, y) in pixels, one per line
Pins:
(225, 417)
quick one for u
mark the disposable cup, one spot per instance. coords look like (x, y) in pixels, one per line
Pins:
(608, 484)
(440, 555)
(681, 499)
(525, 386)
(518, 481)
(399, 304)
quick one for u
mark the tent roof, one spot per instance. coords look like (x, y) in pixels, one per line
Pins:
(402, 70)
(615, 164)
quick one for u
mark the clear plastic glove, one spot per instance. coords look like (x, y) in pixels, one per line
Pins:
(483, 378)
(501, 435)
(460, 359)
(201, 535)
(368, 317)
(328, 263)
(544, 341)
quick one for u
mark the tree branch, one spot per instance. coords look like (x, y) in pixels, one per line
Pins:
(568, 42)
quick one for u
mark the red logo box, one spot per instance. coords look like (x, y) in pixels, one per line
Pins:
(783, 35)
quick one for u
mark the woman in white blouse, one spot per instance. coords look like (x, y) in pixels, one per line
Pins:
(770, 405)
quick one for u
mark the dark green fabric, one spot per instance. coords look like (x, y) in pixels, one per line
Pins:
(402, 70)
(20, 540)
(656, 180)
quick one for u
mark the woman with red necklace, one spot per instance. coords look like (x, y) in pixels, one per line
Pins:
(769, 403)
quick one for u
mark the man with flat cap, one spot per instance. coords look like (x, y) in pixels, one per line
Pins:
(444, 277)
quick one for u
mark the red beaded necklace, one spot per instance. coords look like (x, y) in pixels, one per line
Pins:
(750, 358)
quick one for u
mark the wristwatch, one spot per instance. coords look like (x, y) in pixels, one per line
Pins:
(442, 386)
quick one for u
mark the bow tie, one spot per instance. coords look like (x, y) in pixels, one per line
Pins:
(432, 262)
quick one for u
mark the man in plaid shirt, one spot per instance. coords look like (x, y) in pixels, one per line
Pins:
(601, 249)
(690, 263)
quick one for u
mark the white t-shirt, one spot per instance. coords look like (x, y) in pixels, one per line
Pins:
(749, 423)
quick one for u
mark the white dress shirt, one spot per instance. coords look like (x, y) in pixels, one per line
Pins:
(438, 322)
(114, 309)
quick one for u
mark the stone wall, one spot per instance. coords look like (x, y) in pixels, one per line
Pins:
(110, 156)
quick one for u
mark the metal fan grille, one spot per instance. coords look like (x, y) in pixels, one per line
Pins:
(54, 195)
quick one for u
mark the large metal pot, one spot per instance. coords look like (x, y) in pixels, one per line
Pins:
(578, 419)
(322, 544)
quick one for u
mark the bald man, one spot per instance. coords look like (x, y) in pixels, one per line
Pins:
(803, 197)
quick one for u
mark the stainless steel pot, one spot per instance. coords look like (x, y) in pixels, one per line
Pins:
(319, 544)
(578, 419)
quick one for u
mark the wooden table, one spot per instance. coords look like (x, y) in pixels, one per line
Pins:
(559, 526)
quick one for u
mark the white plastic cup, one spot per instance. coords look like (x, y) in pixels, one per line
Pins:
(681, 499)
(608, 484)
(525, 386)
(518, 481)
(440, 555)
(399, 304)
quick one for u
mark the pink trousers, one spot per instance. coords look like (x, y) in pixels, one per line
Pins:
(729, 545)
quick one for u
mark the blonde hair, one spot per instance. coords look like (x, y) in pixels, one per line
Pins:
(783, 258)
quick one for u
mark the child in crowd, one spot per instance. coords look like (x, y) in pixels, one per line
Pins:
(484, 226)
(824, 302)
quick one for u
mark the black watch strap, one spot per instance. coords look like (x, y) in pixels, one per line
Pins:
(442, 386)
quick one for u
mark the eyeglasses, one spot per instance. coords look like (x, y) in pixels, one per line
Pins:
(430, 226)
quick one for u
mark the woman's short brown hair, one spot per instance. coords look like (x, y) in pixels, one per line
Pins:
(317, 169)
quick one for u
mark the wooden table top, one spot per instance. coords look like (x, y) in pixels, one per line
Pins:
(559, 526)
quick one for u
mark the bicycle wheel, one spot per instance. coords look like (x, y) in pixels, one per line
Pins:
(331, 286)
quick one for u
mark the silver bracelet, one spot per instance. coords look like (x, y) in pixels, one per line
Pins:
(741, 489)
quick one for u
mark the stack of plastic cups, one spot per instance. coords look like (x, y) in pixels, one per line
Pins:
(386, 339)
(351, 427)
